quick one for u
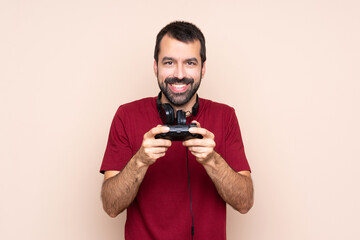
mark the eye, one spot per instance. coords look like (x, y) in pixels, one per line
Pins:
(169, 63)
(191, 63)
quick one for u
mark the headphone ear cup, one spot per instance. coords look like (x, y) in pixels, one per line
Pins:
(167, 114)
(181, 117)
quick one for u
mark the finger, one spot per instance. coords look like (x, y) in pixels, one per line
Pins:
(195, 142)
(151, 142)
(155, 156)
(198, 150)
(192, 142)
(156, 150)
(200, 153)
(197, 123)
(202, 131)
(156, 130)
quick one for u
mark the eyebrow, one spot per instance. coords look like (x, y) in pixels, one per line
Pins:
(168, 59)
(191, 60)
(186, 60)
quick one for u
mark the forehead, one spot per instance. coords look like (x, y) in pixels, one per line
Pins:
(170, 47)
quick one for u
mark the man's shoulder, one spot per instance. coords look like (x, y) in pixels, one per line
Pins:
(136, 105)
(210, 105)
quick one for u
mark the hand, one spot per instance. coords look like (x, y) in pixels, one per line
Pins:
(202, 149)
(151, 148)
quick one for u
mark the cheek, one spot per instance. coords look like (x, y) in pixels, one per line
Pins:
(194, 73)
(164, 73)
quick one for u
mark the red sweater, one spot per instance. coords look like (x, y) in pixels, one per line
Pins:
(161, 209)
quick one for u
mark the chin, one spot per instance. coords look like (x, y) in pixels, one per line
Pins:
(179, 99)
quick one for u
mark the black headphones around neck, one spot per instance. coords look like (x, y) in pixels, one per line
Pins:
(167, 113)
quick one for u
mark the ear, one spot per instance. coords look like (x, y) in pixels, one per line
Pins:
(155, 68)
(203, 70)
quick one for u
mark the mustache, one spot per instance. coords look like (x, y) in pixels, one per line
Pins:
(172, 80)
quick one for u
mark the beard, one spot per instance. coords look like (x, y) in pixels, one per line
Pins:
(179, 99)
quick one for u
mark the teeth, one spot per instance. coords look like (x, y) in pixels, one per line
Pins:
(178, 85)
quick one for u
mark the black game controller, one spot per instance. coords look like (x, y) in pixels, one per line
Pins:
(179, 133)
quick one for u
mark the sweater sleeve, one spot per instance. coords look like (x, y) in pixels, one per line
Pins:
(235, 152)
(118, 150)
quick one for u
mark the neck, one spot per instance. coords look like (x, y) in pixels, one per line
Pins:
(187, 107)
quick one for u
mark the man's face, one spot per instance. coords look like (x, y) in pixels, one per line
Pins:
(179, 69)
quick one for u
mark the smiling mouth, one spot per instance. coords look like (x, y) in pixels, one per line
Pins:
(178, 87)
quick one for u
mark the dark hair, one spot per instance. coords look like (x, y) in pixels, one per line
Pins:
(184, 32)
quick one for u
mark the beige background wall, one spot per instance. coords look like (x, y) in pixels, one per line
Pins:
(290, 69)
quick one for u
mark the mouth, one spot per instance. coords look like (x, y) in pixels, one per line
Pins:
(178, 87)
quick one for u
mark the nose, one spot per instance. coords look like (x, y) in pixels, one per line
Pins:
(179, 71)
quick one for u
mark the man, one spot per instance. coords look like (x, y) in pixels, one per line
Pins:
(169, 193)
